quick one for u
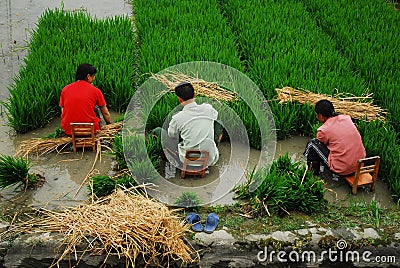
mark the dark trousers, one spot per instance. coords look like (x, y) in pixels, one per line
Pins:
(316, 153)
(171, 144)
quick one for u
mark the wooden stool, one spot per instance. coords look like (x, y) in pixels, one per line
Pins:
(363, 176)
(83, 135)
(195, 163)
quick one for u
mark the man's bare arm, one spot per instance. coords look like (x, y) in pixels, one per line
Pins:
(106, 114)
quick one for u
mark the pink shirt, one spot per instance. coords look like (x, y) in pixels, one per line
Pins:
(344, 142)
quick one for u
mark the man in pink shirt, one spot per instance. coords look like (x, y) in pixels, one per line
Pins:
(338, 144)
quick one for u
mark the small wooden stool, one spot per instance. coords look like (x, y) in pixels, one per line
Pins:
(195, 163)
(363, 176)
(83, 135)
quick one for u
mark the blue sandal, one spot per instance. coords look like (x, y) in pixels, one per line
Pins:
(211, 223)
(194, 220)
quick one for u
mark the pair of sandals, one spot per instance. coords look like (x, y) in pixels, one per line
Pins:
(211, 222)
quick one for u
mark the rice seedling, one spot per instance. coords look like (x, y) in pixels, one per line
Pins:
(15, 172)
(160, 112)
(126, 181)
(143, 171)
(103, 185)
(118, 152)
(154, 149)
(282, 50)
(58, 132)
(188, 200)
(285, 187)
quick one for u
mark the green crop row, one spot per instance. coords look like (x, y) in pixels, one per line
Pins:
(368, 33)
(62, 41)
(282, 44)
(174, 32)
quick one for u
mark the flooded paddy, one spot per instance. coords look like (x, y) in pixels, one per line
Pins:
(65, 172)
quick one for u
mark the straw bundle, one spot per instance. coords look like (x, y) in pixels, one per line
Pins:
(42, 147)
(351, 106)
(201, 87)
(126, 224)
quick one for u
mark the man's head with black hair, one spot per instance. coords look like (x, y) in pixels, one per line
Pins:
(84, 70)
(185, 91)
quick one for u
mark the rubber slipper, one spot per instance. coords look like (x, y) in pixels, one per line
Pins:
(211, 223)
(194, 220)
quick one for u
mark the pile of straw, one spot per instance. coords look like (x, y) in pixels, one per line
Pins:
(351, 106)
(201, 87)
(126, 224)
(41, 147)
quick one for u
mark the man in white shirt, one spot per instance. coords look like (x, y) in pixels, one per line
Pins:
(194, 124)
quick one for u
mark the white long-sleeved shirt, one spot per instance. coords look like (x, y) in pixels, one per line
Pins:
(195, 124)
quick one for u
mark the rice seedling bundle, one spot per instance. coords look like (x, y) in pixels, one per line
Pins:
(351, 106)
(201, 87)
(284, 188)
(13, 171)
(368, 32)
(126, 224)
(40, 147)
(62, 41)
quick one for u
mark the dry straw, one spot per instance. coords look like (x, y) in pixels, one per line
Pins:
(41, 147)
(351, 106)
(208, 89)
(126, 224)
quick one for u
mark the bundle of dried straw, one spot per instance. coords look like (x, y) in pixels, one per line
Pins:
(201, 87)
(351, 106)
(44, 146)
(126, 224)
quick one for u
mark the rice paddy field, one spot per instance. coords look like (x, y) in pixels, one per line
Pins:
(339, 47)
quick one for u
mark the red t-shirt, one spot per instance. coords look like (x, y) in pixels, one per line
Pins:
(79, 100)
(344, 143)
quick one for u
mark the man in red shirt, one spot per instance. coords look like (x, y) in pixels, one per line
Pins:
(79, 100)
(338, 144)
